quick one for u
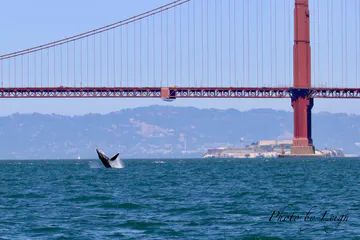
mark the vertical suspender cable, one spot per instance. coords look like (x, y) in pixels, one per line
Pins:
(290, 43)
(202, 42)
(127, 54)
(22, 71)
(67, 65)
(175, 46)
(54, 65)
(314, 29)
(87, 62)
(356, 41)
(194, 42)
(121, 80)
(342, 43)
(9, 73)
(318, 47)
(28, 71)
(81, 63)
(262, 43)
(2, 73)
(229, 57)
(41, 68)
(14, 69)
(284, 44)
(221, 44)
(161, 49)
(113, 53)
(35, 68)
(180, 47)
(100, 60)
(328, 41)
(207, 45)
(188, 41)
(74, 73)
(153, 52)
(275, 43)
(9, 80)
(235, 42)
(243, 42)
(167, 49)
(271, 44)
(80, 70)
(148, 52)
(332, 43)
(94, 60)
(61, 65)
(257, 44)
(216, 45)
(346, 44)
(48, 67)
(140, 54)
(134, 54)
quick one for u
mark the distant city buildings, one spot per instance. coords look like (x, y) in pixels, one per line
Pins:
(264, 149)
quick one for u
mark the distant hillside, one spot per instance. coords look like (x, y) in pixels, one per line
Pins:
(159, 131)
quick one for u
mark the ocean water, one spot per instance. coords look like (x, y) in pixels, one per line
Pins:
(181, 199)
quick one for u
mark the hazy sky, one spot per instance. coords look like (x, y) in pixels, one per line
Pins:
(29, 23)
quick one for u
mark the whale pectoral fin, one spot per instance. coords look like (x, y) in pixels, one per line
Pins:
(114, 157)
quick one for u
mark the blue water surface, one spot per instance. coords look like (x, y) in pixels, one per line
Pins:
(181, 199)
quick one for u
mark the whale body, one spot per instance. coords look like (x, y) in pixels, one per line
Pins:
(113, 162)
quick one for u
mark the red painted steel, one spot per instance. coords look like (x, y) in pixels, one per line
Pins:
(167, 94)
(301, 102)
(178, 92)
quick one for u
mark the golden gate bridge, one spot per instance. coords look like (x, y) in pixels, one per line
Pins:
(203, 49)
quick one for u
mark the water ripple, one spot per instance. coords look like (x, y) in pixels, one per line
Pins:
(177, 199)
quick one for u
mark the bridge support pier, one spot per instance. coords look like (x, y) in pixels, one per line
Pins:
(301, 101)
(302, 105)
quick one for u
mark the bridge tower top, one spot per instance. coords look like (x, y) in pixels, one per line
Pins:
(302, 51)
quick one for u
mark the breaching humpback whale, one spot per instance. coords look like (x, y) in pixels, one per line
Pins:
(113, 162)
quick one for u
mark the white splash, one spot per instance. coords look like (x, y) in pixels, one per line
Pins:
(117, 163)
(159, 162)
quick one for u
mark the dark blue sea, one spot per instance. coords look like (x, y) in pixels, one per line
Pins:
(181, 199)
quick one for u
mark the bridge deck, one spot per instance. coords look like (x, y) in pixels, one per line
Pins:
(175, 92)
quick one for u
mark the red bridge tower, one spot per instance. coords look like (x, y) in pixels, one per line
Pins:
(301, 102)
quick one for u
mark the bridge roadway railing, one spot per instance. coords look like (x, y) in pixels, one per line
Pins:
(177, 92)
